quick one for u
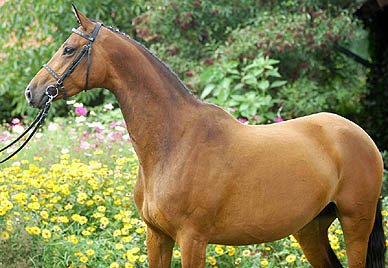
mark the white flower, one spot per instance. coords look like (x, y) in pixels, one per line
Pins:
(52, 127)
(80, 119)
(78, 105)
(18, 129)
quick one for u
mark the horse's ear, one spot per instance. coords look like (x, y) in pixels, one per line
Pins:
(82, 19)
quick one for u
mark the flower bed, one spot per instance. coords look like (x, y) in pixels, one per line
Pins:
(67, 201)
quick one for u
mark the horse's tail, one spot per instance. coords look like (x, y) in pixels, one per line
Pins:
(376, 245)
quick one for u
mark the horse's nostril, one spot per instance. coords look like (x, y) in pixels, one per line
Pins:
(28, 94)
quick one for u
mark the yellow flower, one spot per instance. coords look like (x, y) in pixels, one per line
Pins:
(74, 239)
(290, 258)
(46, 234)
(90, 252)
(101, 208)
(212, 260)
(117, 233)
(335, 245)
(68, 206)
(231, 250)
(246, 253)
(339, 231)
(63, 219)
(4, 236)
(219, 250)
(140, 230)
(35, 230)
(142, 258)
(44, 214)
(84, 259)
(98, 152)
(264, 262)
(119, 246)
(114, 265)
(333, 238)
(104, 221)
(129, 265)
(237, 261)
(34, 205)
(127, 239)
(303, 258)
(86, 233)
(177, 254)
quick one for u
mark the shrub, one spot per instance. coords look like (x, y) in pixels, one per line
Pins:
(32, 30)
(246, 89)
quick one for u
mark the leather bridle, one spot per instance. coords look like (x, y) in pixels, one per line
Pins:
(52, 90)
(86, 50)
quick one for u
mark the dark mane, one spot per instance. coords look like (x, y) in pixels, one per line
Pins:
(164, 67)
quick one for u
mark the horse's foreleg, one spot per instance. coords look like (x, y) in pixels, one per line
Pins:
(193, 248)
(159, 247)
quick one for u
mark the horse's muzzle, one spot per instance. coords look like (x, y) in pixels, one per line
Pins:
(35, 100)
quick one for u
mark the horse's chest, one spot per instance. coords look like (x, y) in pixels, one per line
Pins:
(153, 209)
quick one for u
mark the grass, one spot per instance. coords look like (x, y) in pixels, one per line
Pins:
(67, 201)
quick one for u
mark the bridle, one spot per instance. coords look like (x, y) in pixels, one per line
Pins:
(86, 50)
(52, 90)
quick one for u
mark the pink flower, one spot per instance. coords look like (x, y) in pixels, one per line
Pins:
(242, 120)
(81, 110)
(97, 129)
(15, 121)
(232, 109)
(84, 145)
(278, 119)
(113, 125)
(256, 117)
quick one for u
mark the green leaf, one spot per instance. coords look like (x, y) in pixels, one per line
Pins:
(278, 83)
(273, 72)
(208, 89)
(263, 84)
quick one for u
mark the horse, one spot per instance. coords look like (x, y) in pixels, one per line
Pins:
(205, 178)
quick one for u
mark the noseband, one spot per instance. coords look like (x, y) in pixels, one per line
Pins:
(86, 50)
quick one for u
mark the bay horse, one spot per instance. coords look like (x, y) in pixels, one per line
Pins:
(206, 178)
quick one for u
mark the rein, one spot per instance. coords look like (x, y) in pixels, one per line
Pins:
(38, 121)
(52, 90)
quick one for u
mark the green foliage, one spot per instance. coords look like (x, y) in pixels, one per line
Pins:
(31, 31)
(189, 28)
(247, 89)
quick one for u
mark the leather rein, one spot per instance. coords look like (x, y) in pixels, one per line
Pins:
(52, 90)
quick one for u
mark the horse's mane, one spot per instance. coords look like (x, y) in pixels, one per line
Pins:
(163, 66)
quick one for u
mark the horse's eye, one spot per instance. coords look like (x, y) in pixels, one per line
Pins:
(68, 50)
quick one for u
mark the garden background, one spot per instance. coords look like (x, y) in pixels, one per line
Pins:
(66, 200)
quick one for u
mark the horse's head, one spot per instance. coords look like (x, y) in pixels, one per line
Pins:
(74, 67)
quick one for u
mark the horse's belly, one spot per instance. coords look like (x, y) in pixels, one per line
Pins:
(267, 211)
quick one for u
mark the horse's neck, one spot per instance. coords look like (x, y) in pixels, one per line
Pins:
(154, 106)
